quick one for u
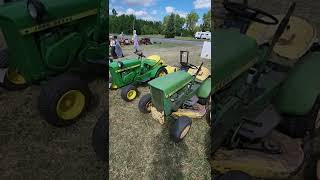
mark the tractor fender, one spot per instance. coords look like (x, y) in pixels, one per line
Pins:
(156, 69)
(299, 92)
(204, 90)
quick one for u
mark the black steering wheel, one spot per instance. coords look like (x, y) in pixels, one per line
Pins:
(246, 12)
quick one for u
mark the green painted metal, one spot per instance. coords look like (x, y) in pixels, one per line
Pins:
(232, 51)
(133, 71)
(61, 41)
(170, 92)
(300, 90)
(171, 83)
(204, 90)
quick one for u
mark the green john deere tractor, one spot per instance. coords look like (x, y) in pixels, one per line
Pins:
(60, 44)
(130, 73)
(178, 97)
(264, 113)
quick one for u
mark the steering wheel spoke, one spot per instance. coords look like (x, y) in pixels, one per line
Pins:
(253, 14)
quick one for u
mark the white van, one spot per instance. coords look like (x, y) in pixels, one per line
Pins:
(206, 35)
(203, 35)
(198, 35)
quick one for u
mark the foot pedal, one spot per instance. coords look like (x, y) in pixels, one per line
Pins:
(262, 125)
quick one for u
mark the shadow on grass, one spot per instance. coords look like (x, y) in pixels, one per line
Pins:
(167, 163)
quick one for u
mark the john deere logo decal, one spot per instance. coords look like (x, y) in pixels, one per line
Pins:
(58, 22)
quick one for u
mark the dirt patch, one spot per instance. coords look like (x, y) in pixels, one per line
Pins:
(30, 148)
(140, 148)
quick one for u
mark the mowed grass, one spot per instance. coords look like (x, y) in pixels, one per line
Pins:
(140, 147)
(30, 148)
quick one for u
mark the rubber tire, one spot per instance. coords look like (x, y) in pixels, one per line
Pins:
(126, 89)
(162, 69)
(143, 102)
(296, 127)
(235, 175)
(8, 85)
(179, 125)
(51, 92)
(4, 58)
(203, 101)
(208, 118)
(99, 137)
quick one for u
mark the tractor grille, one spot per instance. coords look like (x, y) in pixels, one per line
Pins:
(157, 99)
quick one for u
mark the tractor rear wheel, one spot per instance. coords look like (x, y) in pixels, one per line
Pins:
(235, 175)
(64, 99)
(13, 81)
(129, 93)
(180, 128)
(161, 72)
(99, 137)
(4, 55)
(145, 104)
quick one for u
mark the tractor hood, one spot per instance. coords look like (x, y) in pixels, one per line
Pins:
(127, 64)
(15, 15)
(232, 52)
(171, 83)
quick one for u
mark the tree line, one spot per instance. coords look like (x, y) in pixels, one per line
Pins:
(172, 25)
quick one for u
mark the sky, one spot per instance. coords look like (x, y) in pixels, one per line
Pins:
(155, 10)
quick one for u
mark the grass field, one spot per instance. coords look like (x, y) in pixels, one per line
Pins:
(30, 148)
(140, 147)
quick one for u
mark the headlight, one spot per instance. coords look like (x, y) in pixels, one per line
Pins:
(120, 64)
(35, 9)
(32, 11)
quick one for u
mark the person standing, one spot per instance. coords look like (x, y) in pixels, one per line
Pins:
(113, 48)
(135, 41)
(118, 49)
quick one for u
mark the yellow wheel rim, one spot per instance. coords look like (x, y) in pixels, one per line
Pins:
(71, 104)
(184, 132)
(15, 78)
(162, 73)
(131, 94)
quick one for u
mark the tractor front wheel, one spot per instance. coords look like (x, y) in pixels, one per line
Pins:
(161, 72)
(13, 81)
(99, 137)
(129, 93)
(145, 104)
(180, 128)
(64, 99)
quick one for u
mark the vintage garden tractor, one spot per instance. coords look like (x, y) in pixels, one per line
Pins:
(130, 73)
(178, 97)
(60, 44)
(264, 113)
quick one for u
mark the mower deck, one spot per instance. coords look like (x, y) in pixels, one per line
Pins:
(260, 164)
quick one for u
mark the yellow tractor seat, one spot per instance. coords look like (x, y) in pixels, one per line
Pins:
(203, 74)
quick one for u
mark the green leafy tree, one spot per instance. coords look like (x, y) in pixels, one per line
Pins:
(206, 26)
(114, 12)
(178, 25)
(192, 19)
(169, 29)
